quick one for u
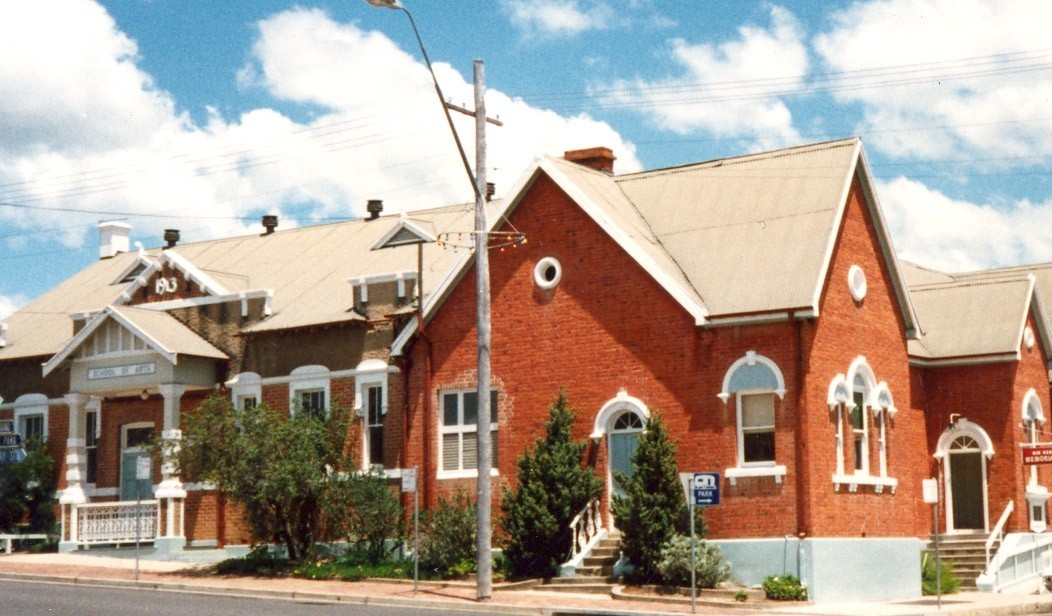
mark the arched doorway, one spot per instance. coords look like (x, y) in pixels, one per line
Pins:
(964, 450)
(621, 421)
(622, 440)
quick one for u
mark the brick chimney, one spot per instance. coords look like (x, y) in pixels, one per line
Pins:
(600, 158)
(113, 238)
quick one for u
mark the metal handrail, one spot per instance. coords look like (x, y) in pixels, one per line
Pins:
(998, 531)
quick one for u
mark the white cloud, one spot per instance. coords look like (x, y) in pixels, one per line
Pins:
(715, 92)
(85, 128)
(9, 304)
(976, 94)
(556, 18)
(934, 230)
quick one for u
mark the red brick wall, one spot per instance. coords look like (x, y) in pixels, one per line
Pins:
(991, 396)
(608, 325)
(845, 329)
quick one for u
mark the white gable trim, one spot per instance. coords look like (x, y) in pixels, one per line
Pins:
(695, 309)
(860, 168)
(90, 328)
(190, 272)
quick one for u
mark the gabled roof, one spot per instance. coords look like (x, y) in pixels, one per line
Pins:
(975, 317)
(729, 239)
(305, 270)
(160, 332)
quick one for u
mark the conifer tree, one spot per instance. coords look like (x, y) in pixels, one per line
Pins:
(653, 505)
(553, 487)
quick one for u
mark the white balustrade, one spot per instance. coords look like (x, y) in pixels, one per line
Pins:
(584, 529)
(117, 522)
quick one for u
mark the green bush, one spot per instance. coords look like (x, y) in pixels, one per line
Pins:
(552, 488)
(653, 507)
(27, 492)
(949, 581)
(366, 512)
(741, 596)
(785, 587)
(674, 565)
(447, 542)
(260, 561)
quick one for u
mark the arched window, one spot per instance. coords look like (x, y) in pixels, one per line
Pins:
(754, 381)
(863, 406)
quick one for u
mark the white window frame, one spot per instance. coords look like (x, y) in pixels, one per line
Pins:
(460, 429)
(367, 424)
(307, 379)
(94, 406)
(31, 405)
(876, 400)
(1036, 494)
(245, 386)
(369, 374)
(767, 468)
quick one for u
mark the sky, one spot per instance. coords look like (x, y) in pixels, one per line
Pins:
(202, 116)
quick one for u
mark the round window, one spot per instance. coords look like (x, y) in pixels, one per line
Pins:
(856, 282)
(547, 273)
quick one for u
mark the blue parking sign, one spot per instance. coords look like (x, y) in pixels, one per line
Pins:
(705, 488)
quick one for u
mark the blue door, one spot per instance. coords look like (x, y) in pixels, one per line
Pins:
(623, 440)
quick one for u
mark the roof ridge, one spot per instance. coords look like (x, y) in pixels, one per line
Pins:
(935, 286)
(738, 160)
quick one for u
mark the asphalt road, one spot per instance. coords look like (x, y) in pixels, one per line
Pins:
(35, 598)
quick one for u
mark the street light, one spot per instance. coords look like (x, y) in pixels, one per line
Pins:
(483, 531)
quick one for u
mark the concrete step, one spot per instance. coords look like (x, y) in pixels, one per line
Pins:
(604, 571)
(593, 561)
(607, 552)
(596, 589)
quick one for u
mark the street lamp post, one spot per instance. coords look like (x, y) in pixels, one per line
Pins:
(483, 530)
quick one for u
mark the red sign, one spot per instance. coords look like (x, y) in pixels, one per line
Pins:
(1037, 454)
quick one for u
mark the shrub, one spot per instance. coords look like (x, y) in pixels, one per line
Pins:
(447, 542)
(366, 513)
(674, 566)
(741, 596)
(785, 587)
(552, 488)
(653, 505)
(27, 492)
(260, 561)
(948, 581)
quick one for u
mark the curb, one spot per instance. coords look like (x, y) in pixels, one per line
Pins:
(288, 595)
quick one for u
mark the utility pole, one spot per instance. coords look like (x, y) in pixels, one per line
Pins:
(484, 530)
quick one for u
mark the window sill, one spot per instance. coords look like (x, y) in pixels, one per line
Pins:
(471, 474)
(733, 474)
(853, 481)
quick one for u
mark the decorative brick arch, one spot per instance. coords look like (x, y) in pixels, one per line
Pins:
(610, 410)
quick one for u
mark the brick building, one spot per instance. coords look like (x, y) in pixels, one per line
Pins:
(756, 303)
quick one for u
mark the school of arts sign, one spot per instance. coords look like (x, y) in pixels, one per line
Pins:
(1037, 454)
(113, 372)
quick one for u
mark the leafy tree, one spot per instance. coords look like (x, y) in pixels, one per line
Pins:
(653, 507)
(552, 488)
(27, 492)
(283, 470)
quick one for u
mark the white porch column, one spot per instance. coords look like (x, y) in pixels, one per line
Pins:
(76, 459)
(170, 492)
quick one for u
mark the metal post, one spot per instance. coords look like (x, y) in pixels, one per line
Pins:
(693, 567)
(138, 520)
(938, 566)
(416, 538)
(483, 540)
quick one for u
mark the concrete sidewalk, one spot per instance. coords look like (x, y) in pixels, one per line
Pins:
(102, 569)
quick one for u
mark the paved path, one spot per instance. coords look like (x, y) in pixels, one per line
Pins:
(174, 576)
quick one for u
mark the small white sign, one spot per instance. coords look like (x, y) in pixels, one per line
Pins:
(409, 480)
(142, 468)
(931, 490)
(114, 372)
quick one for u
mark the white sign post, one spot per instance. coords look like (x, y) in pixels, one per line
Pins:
(930, 487)
(701, 490)
(409, 485)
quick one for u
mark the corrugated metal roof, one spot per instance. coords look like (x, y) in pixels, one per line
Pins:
(307, 269)
(750, 234)
(962, 318)
(168, 332)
